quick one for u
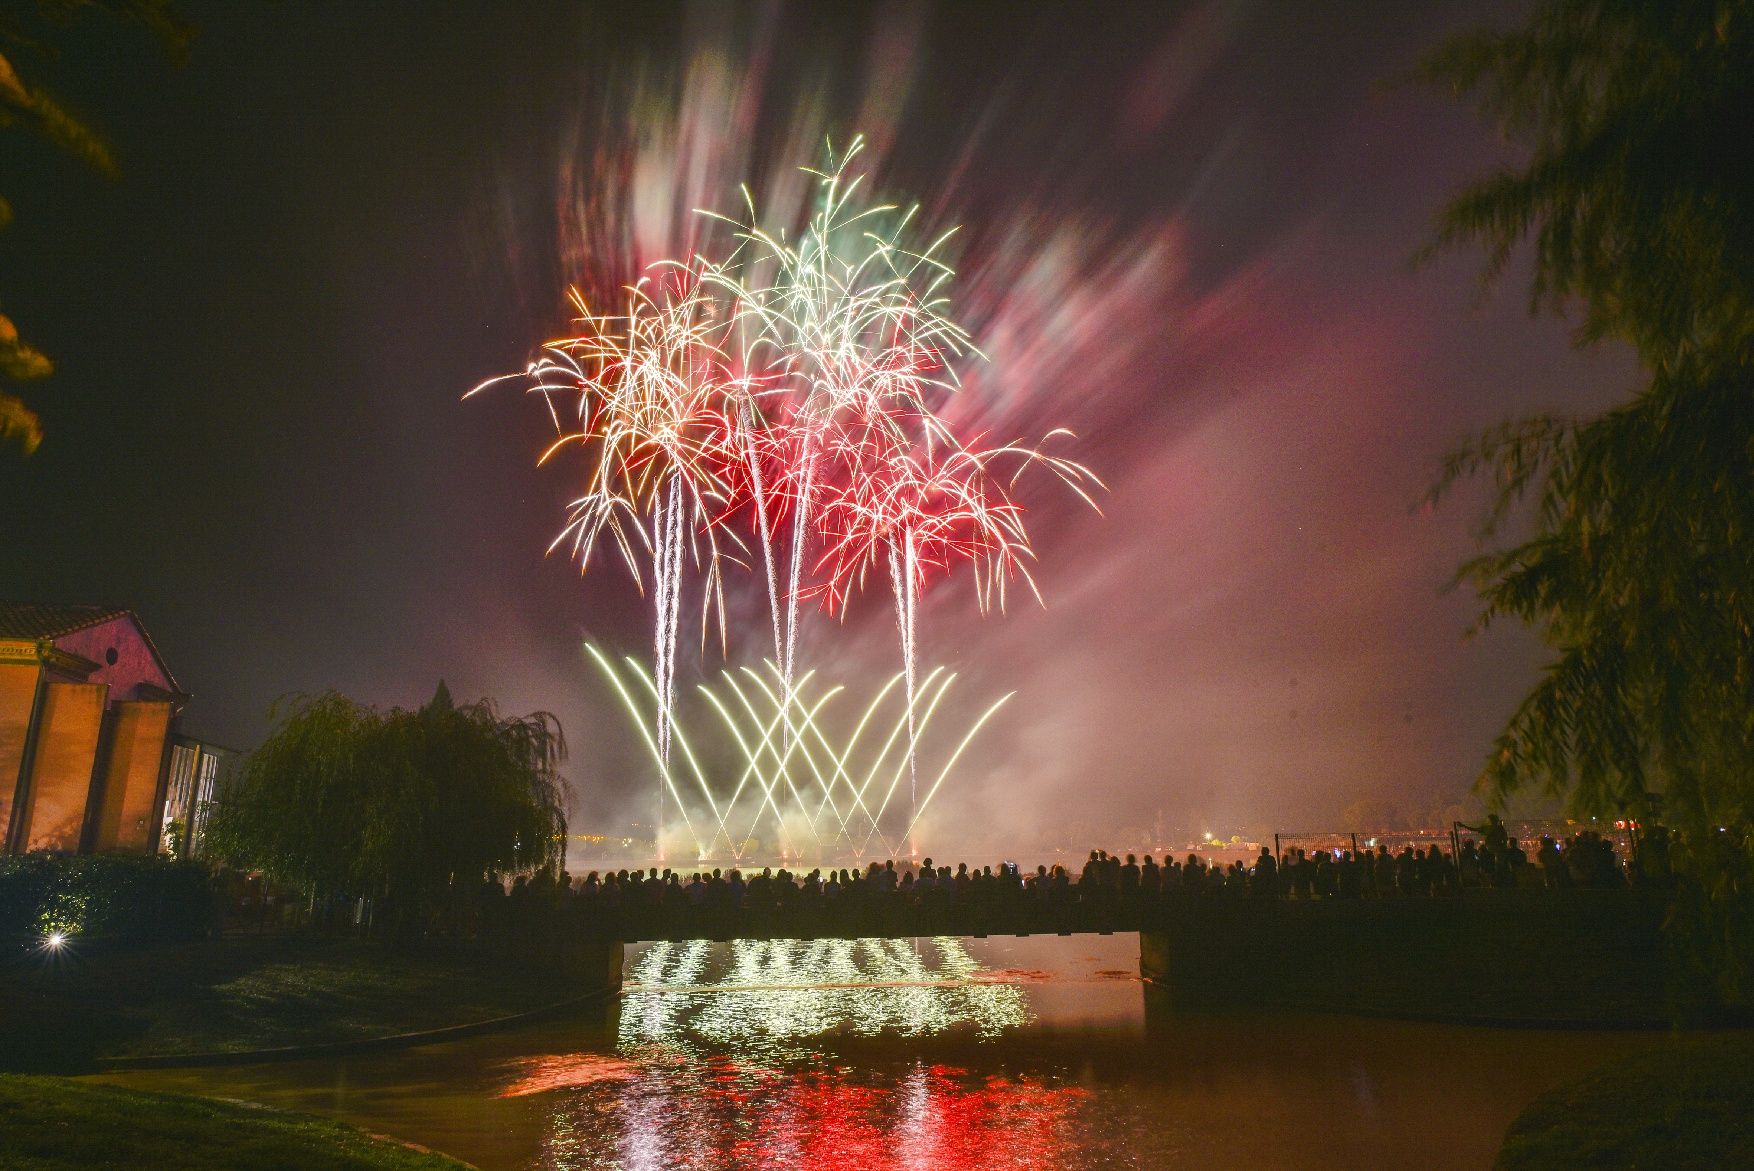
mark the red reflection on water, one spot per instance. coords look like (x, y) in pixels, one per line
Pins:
(567, 1071)
(720, 1114)
(995, 1122)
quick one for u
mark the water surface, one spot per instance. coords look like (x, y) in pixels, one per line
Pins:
(1044, 1052)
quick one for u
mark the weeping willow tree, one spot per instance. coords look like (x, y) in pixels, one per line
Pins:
(1637, 202)
(402, 807)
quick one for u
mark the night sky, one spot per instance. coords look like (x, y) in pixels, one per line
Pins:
(1188, 239)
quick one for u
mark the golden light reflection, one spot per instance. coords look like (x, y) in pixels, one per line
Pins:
(567, 1071)
(771, 993)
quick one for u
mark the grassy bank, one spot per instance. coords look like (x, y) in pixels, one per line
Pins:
(1687, 1104)
(55, 1125)
(58, 1013)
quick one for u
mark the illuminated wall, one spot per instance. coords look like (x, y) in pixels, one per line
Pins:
(120, 655)
(87, 708)
(66, 751)
(18, 693)
(129, 790)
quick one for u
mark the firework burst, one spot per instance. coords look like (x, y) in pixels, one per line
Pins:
(639, 394)
(848, 320)
(800, 380)
(919, 506)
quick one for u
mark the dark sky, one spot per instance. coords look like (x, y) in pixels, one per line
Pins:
(1187, 236)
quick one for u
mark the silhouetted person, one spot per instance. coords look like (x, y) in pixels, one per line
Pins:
(1264, 884)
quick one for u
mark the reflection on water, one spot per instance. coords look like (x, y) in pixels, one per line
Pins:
(773, 996)
(721, 1064)
(941, 1054)
(725, 1114)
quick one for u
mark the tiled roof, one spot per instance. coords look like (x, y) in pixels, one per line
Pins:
(27, 620)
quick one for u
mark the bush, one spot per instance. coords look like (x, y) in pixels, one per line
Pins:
(104, 896)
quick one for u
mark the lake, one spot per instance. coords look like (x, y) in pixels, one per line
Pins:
(1041, 1052)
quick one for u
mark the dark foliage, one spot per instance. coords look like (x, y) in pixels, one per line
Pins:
(31, 30)
(111, 897)
(402, 807)
(1638, 199)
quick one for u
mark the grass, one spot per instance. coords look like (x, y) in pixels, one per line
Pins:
(1686, 1104)
(54, 1125)
(58, 1014)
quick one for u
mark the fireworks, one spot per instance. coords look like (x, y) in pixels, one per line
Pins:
(851, 322)
(792, 388)
(814, 792)
(914, 506)
(646, 387)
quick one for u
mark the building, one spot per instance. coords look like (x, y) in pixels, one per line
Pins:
(198, 773)
(88, 720)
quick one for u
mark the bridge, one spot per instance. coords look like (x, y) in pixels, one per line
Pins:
(780, 907)
(893, 921)
(1526, 954)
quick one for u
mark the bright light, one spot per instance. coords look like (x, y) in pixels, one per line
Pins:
(760, 997)
(790, 773)
(54, 940)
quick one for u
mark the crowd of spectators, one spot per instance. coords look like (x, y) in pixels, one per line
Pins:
(1107, 892)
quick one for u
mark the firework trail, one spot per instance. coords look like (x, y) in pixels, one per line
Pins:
(847, 772)
(848, 319)
(646, 390)
(915, 506)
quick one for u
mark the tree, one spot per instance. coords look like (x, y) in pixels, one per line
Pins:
(1639, 189)
(398, 806)
(30, 27)
(1638, 198)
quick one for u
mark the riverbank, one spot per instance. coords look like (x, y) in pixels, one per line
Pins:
(51, 1124)
(1688, 1103)
(999, 1052)
(1521, 959)
(61, 1012)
